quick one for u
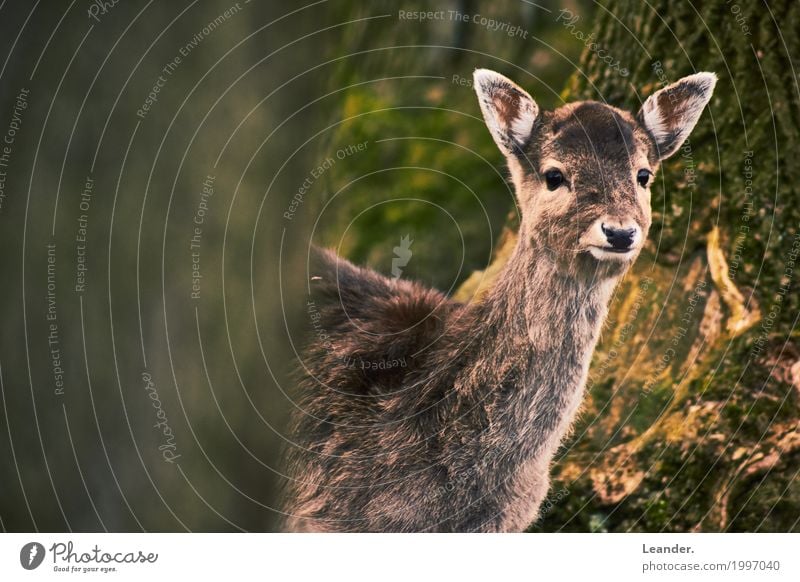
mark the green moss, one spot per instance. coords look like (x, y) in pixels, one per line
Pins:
(725, 403)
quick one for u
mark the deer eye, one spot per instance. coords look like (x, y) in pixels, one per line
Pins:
(554, 179)
(643, 177)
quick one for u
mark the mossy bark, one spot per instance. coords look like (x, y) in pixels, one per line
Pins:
(692, 411)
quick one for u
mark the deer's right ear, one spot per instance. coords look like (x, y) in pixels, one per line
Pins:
(671, 113)
(507, 108)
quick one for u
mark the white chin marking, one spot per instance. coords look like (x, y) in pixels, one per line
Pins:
(604, 255)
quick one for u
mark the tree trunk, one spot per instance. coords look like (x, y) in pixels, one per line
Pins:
(691, 415)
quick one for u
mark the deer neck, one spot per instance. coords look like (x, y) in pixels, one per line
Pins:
(540, 325)
(551, 305)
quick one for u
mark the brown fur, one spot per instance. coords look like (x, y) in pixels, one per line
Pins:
(460, 437)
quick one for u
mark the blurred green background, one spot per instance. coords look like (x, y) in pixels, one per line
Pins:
(251, 98)
(347, 124)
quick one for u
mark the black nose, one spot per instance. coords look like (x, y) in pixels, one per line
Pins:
(619, 238)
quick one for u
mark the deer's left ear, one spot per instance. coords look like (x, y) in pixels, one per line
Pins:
(671, 113)
(507, 108)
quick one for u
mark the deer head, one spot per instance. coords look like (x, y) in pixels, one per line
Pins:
(582, 173)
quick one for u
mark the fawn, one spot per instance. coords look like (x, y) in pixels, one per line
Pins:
(460, 437)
